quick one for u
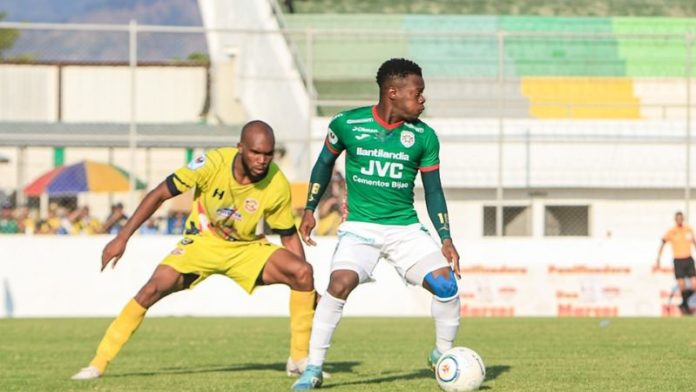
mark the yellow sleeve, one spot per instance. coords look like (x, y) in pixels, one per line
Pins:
(198, 173)
(279, 216)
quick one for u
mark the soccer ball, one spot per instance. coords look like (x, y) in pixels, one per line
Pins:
(460, 369)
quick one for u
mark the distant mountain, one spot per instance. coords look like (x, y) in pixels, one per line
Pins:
(74, 46)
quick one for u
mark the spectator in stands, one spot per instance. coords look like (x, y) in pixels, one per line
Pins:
(681, 237)
(8, 223)
(51, 224)
(331, 207)
(150, 227)
(83, 223)
(176, 223)
(116, 219)
(25, 220)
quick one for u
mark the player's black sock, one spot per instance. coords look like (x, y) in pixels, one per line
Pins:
(685, 294)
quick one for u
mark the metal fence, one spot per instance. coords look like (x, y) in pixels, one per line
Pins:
(520, 114)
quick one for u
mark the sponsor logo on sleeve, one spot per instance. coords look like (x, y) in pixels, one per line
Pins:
(415, 128)
(333, 139)
(197, 162)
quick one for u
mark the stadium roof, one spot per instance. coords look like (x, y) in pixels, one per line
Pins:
(116, 135)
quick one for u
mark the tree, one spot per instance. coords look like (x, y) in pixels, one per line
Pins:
(7, 36)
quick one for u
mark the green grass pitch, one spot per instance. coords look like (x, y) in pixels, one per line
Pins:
(368, 354)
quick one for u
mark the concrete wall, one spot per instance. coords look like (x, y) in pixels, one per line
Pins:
(101, 93)
(56, 277)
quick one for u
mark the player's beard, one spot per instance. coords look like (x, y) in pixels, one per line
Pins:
(250, 174)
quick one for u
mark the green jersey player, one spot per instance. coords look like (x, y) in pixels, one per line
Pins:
(386, 145)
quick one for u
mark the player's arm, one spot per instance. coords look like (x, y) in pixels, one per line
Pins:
(659, 253)
(437, 210)
(318, 182)
(152, 201)
(291, 241)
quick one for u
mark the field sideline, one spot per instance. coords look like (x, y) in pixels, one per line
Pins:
(369, 354)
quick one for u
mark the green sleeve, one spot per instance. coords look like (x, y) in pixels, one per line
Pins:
(435, 202)
(323, 168)
(320, 178)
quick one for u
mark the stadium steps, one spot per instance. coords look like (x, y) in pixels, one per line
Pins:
(663, 98)
(575, 98)
(656, 56)
(474, 98)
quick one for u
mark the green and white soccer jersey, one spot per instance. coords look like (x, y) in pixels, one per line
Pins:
(382, 161)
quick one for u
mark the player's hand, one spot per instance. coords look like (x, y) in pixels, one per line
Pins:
(306, 227)
(450, 253)
(113, 252)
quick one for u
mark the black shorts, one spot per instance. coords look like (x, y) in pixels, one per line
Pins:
(684, 268)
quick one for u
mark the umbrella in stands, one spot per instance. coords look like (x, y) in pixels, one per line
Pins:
(85, 176)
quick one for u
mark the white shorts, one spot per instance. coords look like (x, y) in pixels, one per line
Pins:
(409, 249)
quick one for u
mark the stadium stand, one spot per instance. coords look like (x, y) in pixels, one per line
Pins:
(591, 68)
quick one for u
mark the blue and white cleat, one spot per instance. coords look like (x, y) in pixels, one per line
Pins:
(433, 358)
(311, 378)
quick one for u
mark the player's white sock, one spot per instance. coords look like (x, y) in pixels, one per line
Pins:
(446, 315)
(326, 317)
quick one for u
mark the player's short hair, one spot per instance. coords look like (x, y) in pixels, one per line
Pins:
(678, 213)
(396, 68)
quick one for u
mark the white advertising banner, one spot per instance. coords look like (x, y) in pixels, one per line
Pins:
(60, 277)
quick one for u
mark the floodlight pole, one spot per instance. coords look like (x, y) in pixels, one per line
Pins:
(501, 108)
(311, 93)
(687, 188)
(132, 129)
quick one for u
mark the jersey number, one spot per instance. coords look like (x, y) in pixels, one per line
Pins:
(394, 169)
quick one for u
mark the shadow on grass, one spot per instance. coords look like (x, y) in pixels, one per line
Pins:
(423, 373)
(334, 367)
(492, 372)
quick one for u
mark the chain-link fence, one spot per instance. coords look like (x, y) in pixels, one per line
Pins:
(535, 125)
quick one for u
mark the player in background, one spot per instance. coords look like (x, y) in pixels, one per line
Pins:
(236, 188)
(681, 236)
(386, 146)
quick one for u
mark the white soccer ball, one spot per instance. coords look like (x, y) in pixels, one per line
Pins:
(460, 369)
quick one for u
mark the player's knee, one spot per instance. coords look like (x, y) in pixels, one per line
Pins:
(304, 277)
(342, 284)
(443, 288)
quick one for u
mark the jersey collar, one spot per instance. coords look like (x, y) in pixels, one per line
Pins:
(383, 123)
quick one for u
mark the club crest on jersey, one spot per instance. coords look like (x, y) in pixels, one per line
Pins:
(197, 162)
(407, 138)
(251, 205)
(186, 241)
(227, 212)
(333, 139)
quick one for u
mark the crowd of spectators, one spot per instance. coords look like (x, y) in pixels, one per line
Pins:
(61, 220)
(79, 221)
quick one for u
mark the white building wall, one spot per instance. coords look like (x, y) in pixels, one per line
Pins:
(163, 94)
(28, 93)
